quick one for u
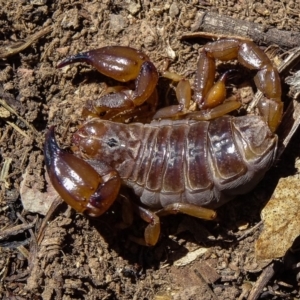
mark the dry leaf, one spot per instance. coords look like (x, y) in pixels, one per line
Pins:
(190, 257)
(281, 220)
(32, 198)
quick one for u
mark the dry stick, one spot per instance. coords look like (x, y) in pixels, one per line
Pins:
(214, 23)
(30, 230)
(263, 279)
(250, 231)
(291, 118)
(57, 201)
(16, 229)
(5, 169)
(20, 46)
(5, 105)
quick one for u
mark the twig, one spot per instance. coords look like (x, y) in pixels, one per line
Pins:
(5, 105)
(18, 129)
(30, 230)
(210, 22)
(18, 47)
(250, 231)
(291, 117)
(16, 229)
(23, 251)
(50, 212)
(5, 170)
(263, 279)
(212, 36)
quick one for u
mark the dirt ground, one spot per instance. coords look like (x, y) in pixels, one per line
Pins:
(77, 257)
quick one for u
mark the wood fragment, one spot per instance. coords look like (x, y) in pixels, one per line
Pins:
(16, 229)
(30, 230)
(246, 287)
(208, 273)
(18, 277)
(14, 244)
(5, 268)
(249, 231)
(18, 129)
(31, 256)
(291, 118)
(211, 22)
(55, 204)
(23, 251)
(213, 36)
(205, 285)
(263, 279)
(20, 46)
(5, 171)
(9, 108)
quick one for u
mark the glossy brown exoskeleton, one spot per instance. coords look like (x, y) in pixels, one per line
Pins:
(183, 161)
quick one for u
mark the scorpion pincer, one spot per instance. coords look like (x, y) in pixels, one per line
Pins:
(184, 161)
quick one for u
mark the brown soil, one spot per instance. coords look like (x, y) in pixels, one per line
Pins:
(82, 258)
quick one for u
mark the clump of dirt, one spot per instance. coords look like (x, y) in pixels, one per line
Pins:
(80, 258)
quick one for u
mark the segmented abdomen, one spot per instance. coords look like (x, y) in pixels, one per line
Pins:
(201, 162)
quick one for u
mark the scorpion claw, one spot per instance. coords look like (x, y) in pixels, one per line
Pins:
(81, 57)
(122, 64)
(77, 182)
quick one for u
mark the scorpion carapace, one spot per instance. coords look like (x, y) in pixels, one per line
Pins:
(188, 162)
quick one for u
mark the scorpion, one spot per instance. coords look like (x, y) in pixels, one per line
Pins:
(183, 161)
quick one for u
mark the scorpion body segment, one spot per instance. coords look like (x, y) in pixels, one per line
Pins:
(188, 161)
(205, 163)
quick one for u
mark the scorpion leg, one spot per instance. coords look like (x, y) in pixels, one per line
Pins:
(123, 64)
(183, 95)
(87, 187)
(152, 231)
(127, 212)
(220, 110)
(143, 113)
(188, 209)
(209, 96)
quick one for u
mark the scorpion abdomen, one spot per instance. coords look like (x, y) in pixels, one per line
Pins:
(205, 163)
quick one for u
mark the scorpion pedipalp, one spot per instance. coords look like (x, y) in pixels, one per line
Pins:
(123, 64)
(77, 182)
